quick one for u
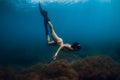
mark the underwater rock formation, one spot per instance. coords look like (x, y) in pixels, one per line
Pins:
(89, 68)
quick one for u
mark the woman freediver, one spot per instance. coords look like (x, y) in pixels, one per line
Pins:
(56, 39)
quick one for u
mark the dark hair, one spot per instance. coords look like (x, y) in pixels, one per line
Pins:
(76, 46)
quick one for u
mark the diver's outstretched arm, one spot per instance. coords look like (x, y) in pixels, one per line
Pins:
(59, 49)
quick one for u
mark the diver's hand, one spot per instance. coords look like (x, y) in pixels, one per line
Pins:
(54, 57)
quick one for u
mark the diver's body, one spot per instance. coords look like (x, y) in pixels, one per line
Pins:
(56, 40)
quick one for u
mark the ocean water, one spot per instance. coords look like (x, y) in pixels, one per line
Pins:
(95, 24)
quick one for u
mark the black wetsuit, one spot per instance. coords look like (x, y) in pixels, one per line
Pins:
(46, 19)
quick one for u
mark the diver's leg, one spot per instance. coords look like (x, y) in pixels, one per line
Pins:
(54, 35)
(49, 41)
(46, 32)
(46, 19)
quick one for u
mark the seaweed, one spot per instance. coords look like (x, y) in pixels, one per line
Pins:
(97, 68)
(89, 68)
(61, 69)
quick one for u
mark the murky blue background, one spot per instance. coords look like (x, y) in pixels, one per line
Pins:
(95, 24)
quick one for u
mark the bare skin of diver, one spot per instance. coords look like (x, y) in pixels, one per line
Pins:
(56, 39)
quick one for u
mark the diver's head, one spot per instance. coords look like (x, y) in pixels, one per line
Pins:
(76, 46)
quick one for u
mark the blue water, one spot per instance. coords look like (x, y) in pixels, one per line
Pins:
(94, 23)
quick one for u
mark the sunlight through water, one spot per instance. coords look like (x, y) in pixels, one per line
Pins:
(58, 1)
(32, 3)
(67, 1)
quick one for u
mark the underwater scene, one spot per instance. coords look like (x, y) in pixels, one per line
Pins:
(59, 40)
